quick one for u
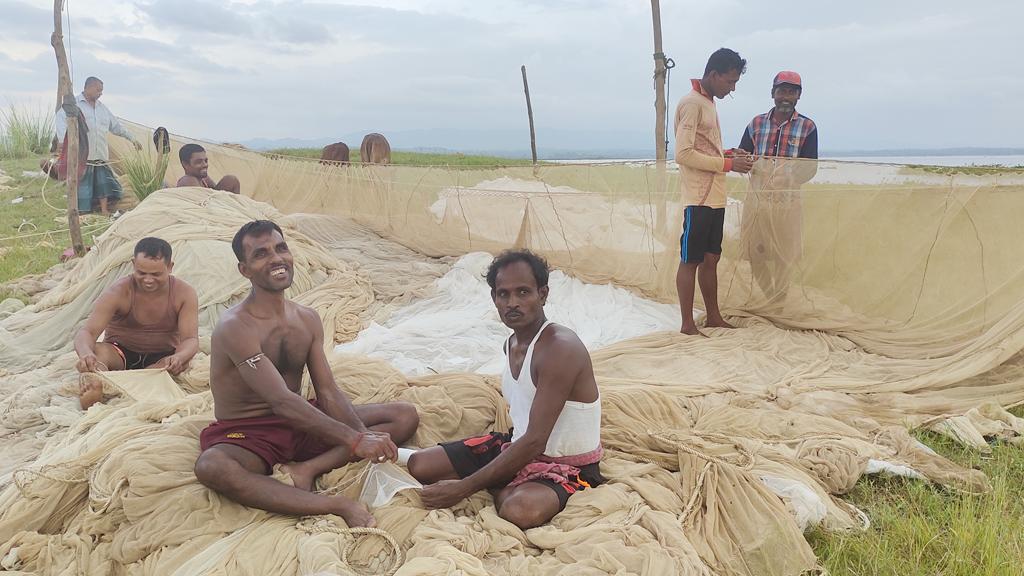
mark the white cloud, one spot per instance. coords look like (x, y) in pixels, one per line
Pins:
(877, 74)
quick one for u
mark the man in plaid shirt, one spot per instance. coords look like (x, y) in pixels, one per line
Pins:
(782, 131)
(786, 145)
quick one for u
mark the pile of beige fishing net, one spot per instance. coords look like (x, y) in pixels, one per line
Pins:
(720, 451)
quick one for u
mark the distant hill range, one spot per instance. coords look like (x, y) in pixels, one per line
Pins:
(562, 144)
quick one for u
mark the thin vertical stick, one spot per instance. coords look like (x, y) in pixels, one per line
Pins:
(529, 112)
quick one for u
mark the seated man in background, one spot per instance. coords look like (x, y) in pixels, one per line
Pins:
(151, 320)
(555, 448)
(194, 161)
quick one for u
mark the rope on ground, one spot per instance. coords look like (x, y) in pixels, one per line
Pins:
(321, 525)
(88, 227)
(694, 494)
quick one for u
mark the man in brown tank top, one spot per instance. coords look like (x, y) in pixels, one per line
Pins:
(259, 352)
(150, 320)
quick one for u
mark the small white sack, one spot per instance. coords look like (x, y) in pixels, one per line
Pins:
(383, 481)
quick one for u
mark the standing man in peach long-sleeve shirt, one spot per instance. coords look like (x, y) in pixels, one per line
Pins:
(702, 168)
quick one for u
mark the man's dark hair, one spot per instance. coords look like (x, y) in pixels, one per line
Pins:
(537, 264)
(186, 152)
(162, 140)
(151, 247)
(724, 60)
(92, 80)
(254, 228)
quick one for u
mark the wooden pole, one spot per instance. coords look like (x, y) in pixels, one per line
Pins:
(529, 112)
(57, 40)
(659, 85)
(661, 147)
(67, 99)
(63, 80)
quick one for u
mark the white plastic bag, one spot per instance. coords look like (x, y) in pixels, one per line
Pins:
(383, 481)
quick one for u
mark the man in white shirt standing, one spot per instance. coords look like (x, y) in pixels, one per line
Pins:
(98, 181)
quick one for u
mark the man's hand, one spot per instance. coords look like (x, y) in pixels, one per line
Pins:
(87, 385)
(376, 447)
(742, 163)
(138, 145)
(444, 494)
(174, 364)
(87, 363)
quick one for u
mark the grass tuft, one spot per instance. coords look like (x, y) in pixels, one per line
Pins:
(145, 173)
(24, 133)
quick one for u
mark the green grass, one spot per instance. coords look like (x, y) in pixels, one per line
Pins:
(24, 133)
(399, 157)
(922, 529)
(32, 234)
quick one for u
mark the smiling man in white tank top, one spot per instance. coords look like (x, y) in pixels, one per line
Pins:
(554, 448)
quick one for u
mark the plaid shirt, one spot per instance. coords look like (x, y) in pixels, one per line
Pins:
(797, 137)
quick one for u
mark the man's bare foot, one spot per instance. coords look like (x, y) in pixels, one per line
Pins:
(355, 514)
(90, 390)
(691, 330)
(718, 323)
(302, 477)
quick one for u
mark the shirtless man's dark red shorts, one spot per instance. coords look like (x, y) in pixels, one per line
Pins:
(269, 437)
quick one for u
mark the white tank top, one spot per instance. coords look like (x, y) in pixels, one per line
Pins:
(578, 428)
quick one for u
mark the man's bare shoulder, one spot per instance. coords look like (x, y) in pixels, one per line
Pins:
(120, 285)
(562, 342)
(184, 289)
(188, 181)
(308, 315)
(235, 321)
(120, 289)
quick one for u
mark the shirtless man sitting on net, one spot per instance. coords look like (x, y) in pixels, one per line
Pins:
(196, 164)
(149, 320)
(260, 349)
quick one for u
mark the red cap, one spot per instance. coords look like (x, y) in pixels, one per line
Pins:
(787, 77)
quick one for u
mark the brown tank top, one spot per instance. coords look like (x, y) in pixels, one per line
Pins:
(160, 336)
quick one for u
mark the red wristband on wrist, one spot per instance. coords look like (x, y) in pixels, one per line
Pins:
(359, 439)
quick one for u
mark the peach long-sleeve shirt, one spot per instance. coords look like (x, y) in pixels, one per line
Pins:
(702, 162)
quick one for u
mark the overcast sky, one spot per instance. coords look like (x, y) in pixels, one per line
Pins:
(903, 73)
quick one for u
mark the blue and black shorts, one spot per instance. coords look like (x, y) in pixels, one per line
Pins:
(702, 233)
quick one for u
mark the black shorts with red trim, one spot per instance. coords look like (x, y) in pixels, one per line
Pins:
(138, 360)
(471, 454)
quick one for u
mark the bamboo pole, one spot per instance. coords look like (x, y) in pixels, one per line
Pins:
(67, 99)
(660, 143)
(659, 85)
(529, 113)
